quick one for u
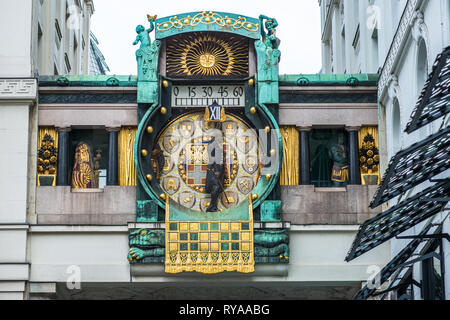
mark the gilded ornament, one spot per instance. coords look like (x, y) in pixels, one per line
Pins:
(144, 152)
(268, 176)
(82, 174)
(267, 129)
(163, 110)
(165, 83)
(162, 196)
(150, 129)
(252, 110)
(208, 18)
(251, 82)
(206, 54)
(149, 177)
(254, 196)
(273, 152)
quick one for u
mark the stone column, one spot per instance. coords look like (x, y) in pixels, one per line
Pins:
(62, 174)
(353, 150)
(113, 157)
(305, 176)
(17, 132)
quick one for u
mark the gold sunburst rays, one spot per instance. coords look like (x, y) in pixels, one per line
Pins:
(207, 54)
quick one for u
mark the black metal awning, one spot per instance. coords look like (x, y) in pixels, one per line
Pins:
(414, 165)
(434, 101)
(393, 266)
(399, 218)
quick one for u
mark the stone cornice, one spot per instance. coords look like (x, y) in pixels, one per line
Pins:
(18, 89)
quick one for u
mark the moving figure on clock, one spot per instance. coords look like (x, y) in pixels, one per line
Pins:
(215, 174)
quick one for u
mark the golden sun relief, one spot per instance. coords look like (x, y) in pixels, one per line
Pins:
(207, 54)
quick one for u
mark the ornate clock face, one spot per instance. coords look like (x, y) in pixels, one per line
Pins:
(184, 143)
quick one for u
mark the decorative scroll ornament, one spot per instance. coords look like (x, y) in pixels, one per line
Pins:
(207, 18)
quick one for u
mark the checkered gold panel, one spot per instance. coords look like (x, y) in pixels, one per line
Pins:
(209, 246)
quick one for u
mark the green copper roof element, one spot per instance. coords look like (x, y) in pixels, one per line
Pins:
(88, 81)
(207, 21)
(329, 79)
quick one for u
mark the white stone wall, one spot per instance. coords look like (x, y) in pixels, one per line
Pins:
(411, 33)
(15, 50)
(50, 46)
(17, 98)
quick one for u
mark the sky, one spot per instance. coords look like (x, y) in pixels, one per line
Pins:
(114, 23)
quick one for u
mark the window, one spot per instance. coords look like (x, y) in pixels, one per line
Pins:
(432, 274)
(405, 290)
(422, 67)
(329, 157)
(88, 158)
(396, 128)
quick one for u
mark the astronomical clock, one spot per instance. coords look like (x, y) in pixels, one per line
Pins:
(208, 149)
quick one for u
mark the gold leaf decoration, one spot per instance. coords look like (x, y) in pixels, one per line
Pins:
(207, 54)
(207, 18)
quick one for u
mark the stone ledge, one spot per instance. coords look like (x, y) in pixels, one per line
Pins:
(115, 205)
(307, 205)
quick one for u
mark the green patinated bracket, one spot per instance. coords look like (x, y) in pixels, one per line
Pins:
(148, 84)
(267, 77)
(148, 246)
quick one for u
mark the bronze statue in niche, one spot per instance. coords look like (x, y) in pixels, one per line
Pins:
(339, 153)
(82, 173)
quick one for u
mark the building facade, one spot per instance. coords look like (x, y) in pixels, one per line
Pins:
(104, 211)
(401, 40)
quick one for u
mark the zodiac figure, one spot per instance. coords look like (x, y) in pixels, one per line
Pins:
(82, 174)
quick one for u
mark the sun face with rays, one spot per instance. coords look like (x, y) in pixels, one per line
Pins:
(207, 54)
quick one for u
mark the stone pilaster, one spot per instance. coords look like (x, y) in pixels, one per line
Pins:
(62, 174)
(353, 150)
(17, 129)
(305, 167)
(113, 157)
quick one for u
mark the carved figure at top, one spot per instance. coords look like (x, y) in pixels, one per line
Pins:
(267, 50)
(269, 38)
(143, 35)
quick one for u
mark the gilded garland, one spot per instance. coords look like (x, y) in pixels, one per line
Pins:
(207, 18)
(207, 54)
(47, 156)
(369, 155)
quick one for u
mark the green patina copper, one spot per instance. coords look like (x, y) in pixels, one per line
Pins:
(363, 79)
(268, 58)
(88, 81)
(147, 57)
(207, 21)
(148, 246)
(271, 211)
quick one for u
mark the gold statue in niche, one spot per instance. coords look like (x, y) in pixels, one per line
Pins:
(82, 174)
